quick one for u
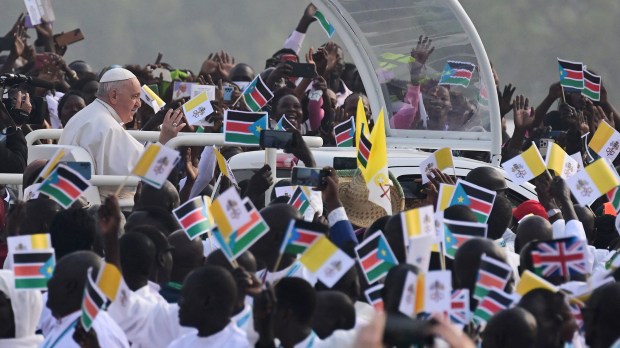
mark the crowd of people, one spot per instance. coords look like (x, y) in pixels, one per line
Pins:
(182, 292)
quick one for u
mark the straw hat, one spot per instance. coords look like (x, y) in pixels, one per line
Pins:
(354, 196)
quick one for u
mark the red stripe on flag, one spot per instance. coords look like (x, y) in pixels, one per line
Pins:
(27, 270)
(255, 94)
(490, 281)
(241, 127)
(592, 86)
(305, 238)
(68, 187)
(480, 206)
(370, 260)
(574, 75)
(462, 73)
(90, 307)
(491, 306)
(344, 136)
(364, 150)
(192, 218)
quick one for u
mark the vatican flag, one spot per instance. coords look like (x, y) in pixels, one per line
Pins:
(376, 174)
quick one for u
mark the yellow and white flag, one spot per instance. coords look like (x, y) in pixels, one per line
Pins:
(222, 164)
(326, 261)
(408, 300)
(444, 197)
(606, 141)
(419, 251)
(229, 212)
(560, 162)
(376, 175)
(530, 281)
(29, 242)
(151, 98)
(526, 166)
(361, 125)
(197, 109)
(435, 290)
(594, 181)
(440, 159)
(109, 281)
(418, 221)
(156, 163)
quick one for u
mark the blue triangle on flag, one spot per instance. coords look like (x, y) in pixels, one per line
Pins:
(258, 126)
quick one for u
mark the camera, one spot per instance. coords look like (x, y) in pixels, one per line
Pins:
(10, 84)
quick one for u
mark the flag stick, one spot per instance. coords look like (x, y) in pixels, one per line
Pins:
(453, 172)
(442, 258)
(237, 100)
(210, 236)
(216, 186)
(277, 264)
(549, 174)
(563, 97)
(120, 187)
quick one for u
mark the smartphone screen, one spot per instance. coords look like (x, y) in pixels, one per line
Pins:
(276, 139)
(6, 43)
(228, 92)
(306, 177)
(68, 38)
(345, 163)
(303, 69)
(81, 167)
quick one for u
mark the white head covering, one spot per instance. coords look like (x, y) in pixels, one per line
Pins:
(116, 74)
(27, 306)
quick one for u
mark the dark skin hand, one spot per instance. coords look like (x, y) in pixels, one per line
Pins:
(263, 311)
(561, 193)
(505, 99)
(419, 56)
(595, 115)
(109, 219)
(331, 198)
(282, 70)
(301, 150)
(306, 19)
(259, 183)
(85, 339)
(247, 282)
(523, 119)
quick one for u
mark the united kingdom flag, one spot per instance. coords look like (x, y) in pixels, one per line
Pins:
(459, 311)
(564, 258)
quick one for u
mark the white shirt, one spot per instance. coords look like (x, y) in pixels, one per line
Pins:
(312, 341)
(108, 333)
(245, 321)
(97, 128)
(231, 336)
(150, 292)
(296, 270)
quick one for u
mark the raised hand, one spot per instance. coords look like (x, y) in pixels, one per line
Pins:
(523, 114)
(419, 56)
(172, 125)
(225, 64)
(595, 115)
(505, 99)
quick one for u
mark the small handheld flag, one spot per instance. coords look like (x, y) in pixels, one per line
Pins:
(197, 109)
(361, 128)
(29, 242)
(245, 236)
(373, 295)
(530, 281)
(50, 165)
(345, 133)
(408, 296)
(560, 162)
(64, 185)
(418, 221)
(492, 274)
(564, 258)
(195, 217)
(595, 180)
(243, 128)
(376, 173)
(151, 98)
(444, 197)
(156, 163)
(375, 257)
(33, 268)
(300, 235)
(257, 94)
(419, 251)
(606, 141)
(613, 196)
(326, 261)
(223, 166)
(459, 307)
(457, 73)
(440, 159)
(299, 200)
(456, 233)
(492, 303)
(327, 26)
(478, 199)
(229, 212)
(525, 166)
(571, 74)
(436, 292)
(591, 86)
(109, 281)
(93, 301)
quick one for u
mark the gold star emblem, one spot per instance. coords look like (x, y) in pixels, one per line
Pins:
(259, 128)
(461, 199)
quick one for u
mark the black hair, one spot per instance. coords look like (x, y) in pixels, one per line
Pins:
(72, 230)
(154, 234)
(64, 98)
(153, 216)
(298, 296)
(218, 284)
(500, 217)
(137, 254)
(459, 213)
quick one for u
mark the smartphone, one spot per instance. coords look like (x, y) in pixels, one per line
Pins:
(83, 168)
(228, 92)
(65, 39)
(345, 163)
(402, 331)
(302, 69)
(313, 177)
(7, 43)
(276, 139)
(288, 58)
(28, 22)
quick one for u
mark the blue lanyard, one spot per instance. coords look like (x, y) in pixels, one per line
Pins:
(71, 326)
(244, 319)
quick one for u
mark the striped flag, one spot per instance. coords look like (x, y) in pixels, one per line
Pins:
(562, 258)
(458, 232)
(373, 295)
(300, 200)
(229, 212)
(243, 128)
(151, 98)
(375, 257)
(109, 281)
(33, 268)
(361, 129)
(594, 181)
(345, 133)
(591, 86)
(492, 274)
(64, 185)
(440, 159)
(444, 197)
(492, 303)
(457, 73)
(459, 307)
(418, 221)
(571, 74)
(614, 198)
(363, 151)
(300, 235)
(525, 166)
(284, 124)
(327, 26)
(155, 164)
(478, 199)
(257, 94)
(245, 236)
(50, 165)
(376, 173)
(326, 261)
(606, 141)
(93, 301)
(194, 216)
(29, 242)
(197, 109)
(560, 162)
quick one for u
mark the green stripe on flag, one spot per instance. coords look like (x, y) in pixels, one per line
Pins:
(590, 94)
(327, 26)
(87, 321)
(197, 229)
(30, 283)
(348, 143)
(378, 271)
(455, 81)
(481, 217)
(250, 237)
(247, 139)
(572, 83)
(480, 291)
(295, 249)
(252, 105)
(62, 198)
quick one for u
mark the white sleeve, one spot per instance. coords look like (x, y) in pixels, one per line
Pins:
(143, 321)
(558, 228)
(294, 41)
(574, 228)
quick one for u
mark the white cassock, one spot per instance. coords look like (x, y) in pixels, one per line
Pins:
(97, 128)
(108, 333)
(231, 336)
(26, 307)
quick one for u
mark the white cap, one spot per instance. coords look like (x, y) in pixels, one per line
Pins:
(117, 74)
